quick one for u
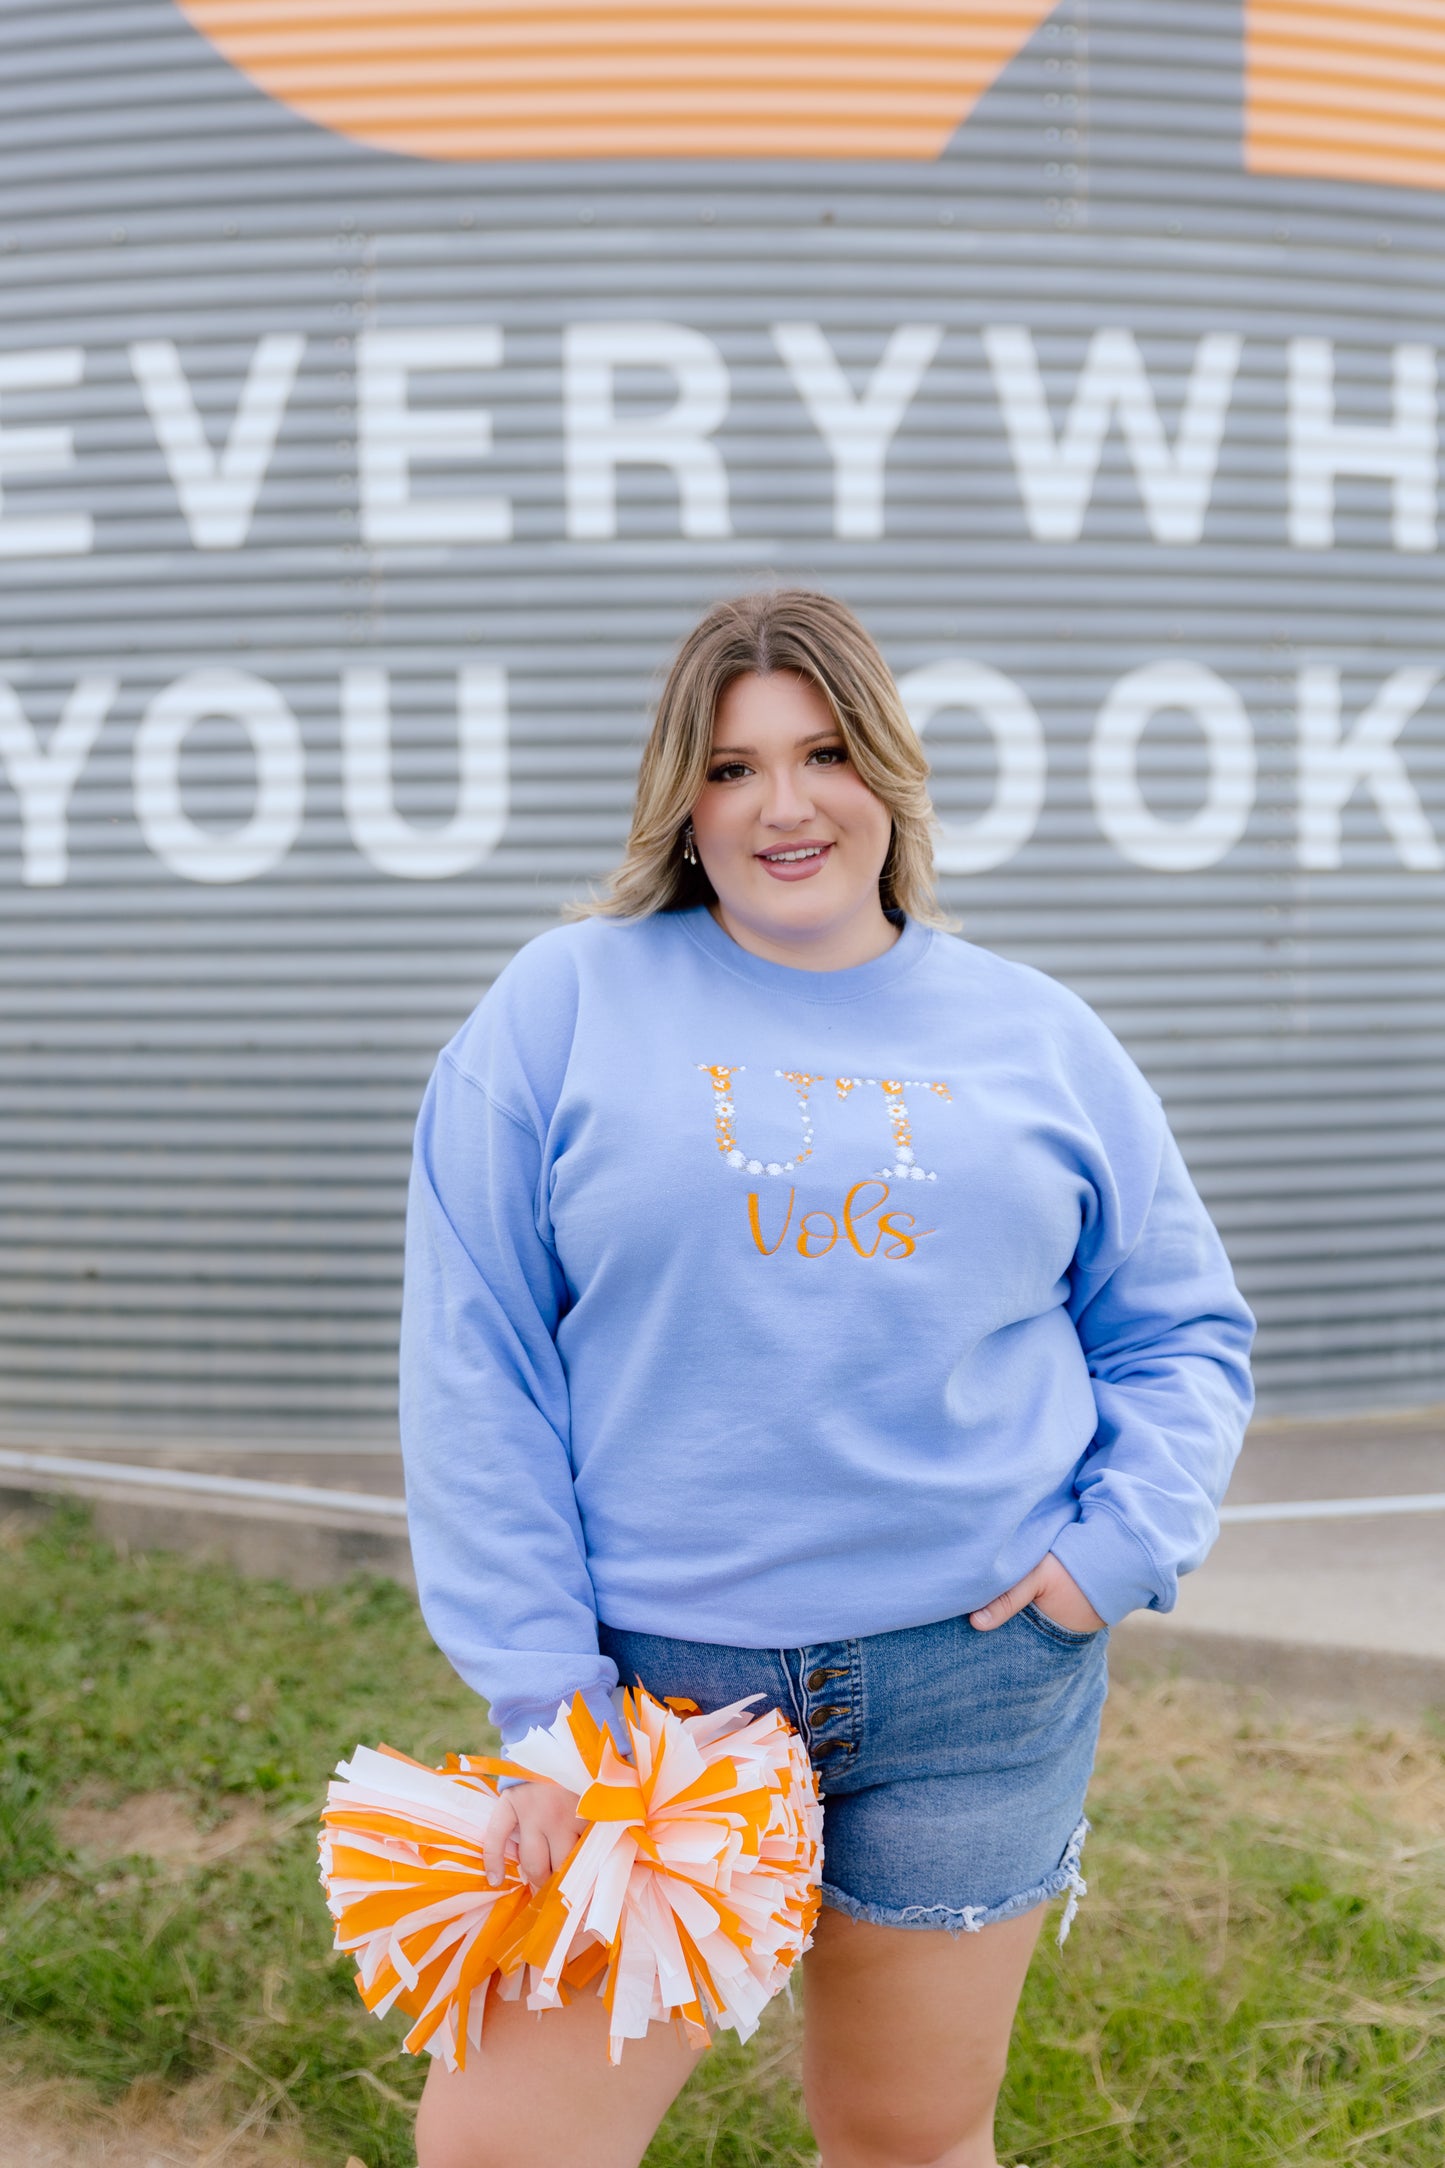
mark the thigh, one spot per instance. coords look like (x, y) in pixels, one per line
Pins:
(541, 2091)
(906, 2037)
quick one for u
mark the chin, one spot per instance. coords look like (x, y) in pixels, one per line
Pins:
(794, 914)
(817, 898)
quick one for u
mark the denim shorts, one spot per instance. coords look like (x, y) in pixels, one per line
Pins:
(953, 1763)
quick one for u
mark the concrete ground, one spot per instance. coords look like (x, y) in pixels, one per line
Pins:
(1346, 1612)
(1373, 1583)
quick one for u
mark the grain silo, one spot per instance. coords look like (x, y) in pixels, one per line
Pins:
(380, 399)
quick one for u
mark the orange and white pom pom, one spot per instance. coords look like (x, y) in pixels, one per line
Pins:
(690, 1894)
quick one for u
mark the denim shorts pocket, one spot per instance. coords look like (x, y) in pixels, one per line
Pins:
(1062, 1636)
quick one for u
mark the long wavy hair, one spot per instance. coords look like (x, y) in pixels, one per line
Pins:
(819, 639)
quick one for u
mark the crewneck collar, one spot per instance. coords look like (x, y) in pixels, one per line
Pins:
(850, 984)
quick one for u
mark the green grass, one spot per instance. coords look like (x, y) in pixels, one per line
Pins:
(1257, 1977)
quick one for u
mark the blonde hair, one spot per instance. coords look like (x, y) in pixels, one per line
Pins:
(819, 639)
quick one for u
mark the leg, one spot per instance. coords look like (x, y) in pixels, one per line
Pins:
(542, 2092)
(906, 2036)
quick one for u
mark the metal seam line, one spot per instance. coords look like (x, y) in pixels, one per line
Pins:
(1335, 1509)
(272, 1448)
(337, 1501)
(209, 1486)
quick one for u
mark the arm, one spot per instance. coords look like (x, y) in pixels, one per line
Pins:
(500, 1558)
(1167, 1336)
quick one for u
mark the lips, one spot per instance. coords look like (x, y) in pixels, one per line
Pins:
(794, 861)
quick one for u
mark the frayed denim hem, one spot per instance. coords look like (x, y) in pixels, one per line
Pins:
(971, 1918)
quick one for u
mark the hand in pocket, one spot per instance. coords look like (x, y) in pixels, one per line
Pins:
(1050, 1588)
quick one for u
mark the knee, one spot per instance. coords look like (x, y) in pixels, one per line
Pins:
(904, 2143)
(861, 2129)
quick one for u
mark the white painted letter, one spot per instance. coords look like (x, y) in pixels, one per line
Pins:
(1022, 761)
(218, 495)
(43, 781)
(1332, 767)
(1056, 477)
(378, 830)
(857, 431)
(1172, 846)
(393, 434)
(41, 451)
(259, 843)
(598, 441)
(1402, 451)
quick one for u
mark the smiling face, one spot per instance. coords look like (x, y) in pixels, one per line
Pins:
(791, 838)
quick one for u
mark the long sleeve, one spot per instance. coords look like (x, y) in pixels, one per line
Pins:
(500, 1558)
(1167, 1336)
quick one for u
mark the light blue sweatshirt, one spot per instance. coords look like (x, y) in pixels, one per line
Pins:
(767, 1306)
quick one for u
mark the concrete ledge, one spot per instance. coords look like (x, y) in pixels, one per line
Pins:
(1333, 1680)
(309, 1546)
(269, 1542)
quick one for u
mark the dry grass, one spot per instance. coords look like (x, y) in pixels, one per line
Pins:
(159, 1827)
(59, 2124)
(1368, 1797)
(1271, 1761)
(1256, 1980)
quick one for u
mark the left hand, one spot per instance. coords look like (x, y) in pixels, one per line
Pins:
(1052, 1590)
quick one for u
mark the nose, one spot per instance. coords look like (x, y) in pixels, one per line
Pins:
(788, 803)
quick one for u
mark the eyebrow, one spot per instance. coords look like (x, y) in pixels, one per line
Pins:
(814, 737)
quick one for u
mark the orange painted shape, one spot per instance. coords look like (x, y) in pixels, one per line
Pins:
(485, 79)
(1350, 90)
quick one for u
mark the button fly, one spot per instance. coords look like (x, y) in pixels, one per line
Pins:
(821, 1716)
(815, 1679)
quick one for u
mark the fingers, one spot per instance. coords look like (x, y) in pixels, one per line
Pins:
(1061, 1599)
(556, 1831)
(534, 1853)
(500, 1831)
(535, 1821)
(1003, 1607)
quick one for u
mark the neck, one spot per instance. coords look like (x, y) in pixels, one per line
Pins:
(835, 947)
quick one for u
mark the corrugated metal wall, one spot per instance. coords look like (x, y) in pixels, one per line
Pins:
(209, 1060)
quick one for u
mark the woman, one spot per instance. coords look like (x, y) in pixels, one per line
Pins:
(801, 1301)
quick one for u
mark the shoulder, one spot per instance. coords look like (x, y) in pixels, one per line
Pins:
(1021, 989)
(1043, 1015)
(521, 1032)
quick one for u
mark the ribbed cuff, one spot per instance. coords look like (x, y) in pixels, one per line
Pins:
(1110, 1564)
(530, 1716)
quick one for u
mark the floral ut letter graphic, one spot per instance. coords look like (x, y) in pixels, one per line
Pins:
(865, 1226)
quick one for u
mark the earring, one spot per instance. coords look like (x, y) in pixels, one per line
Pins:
(689, 854)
